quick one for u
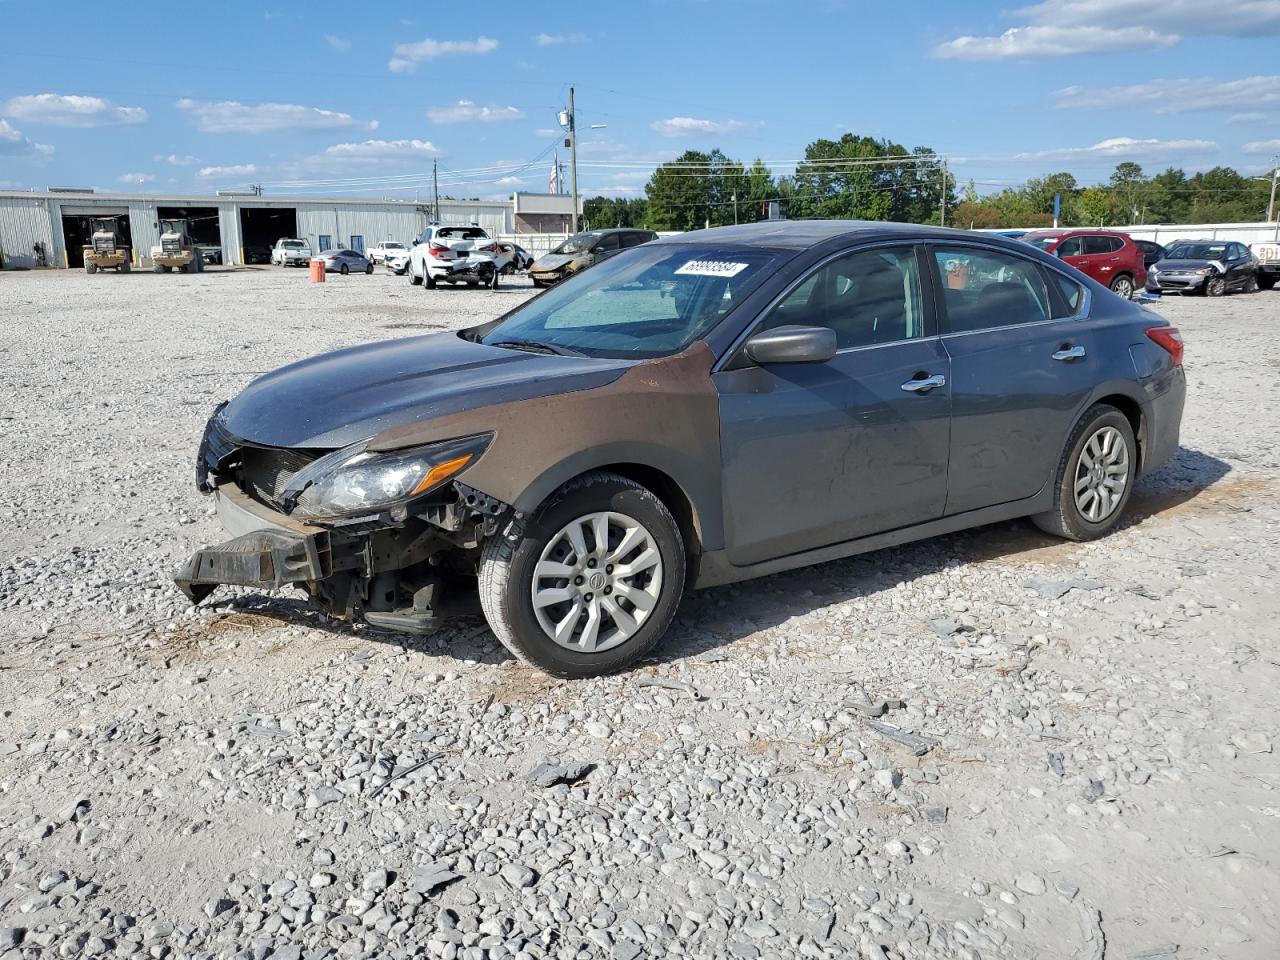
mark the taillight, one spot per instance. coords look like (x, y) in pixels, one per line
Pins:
(491, 248)
(437, 251)
(1171, 340)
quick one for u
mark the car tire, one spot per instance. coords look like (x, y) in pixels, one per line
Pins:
(1091, 461)
(428, 282)
(344, 270)
(414, 279)
(368, 270)
(508, 569)
(1122, 286)
(1250, 285)
(1215, 287)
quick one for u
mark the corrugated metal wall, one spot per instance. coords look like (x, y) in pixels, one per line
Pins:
(24, 221)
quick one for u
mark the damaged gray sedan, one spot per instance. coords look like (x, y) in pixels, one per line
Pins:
(694, 411)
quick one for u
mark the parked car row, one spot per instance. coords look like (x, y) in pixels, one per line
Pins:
(1207, 267)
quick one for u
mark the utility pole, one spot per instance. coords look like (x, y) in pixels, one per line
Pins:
(435, 186)
(942, 218)
(573, 162)
(1271, 204)
(734, 195)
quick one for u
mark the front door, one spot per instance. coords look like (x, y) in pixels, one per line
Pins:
(1022, 368)
(820, 453)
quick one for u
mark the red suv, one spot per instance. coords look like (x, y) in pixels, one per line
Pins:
(1113, 259)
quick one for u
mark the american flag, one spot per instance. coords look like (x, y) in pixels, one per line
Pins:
(555, 176)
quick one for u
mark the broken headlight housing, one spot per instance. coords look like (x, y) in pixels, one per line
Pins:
(354, 481)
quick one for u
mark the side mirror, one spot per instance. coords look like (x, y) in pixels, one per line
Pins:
(793, 344)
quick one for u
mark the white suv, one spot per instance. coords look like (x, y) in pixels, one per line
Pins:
(454, 255)
(291, 253)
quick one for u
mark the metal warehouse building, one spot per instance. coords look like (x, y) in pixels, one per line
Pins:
(54, 225)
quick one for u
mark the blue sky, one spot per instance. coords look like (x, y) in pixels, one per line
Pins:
(328, 98)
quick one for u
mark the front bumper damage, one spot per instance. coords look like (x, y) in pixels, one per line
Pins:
(397, 572)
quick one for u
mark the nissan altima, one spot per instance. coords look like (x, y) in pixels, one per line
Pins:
(694, 411)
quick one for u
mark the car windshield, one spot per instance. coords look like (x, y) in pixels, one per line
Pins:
(1044, 242)
(291, 243)
(1196, 251)
(393, 246)
(577, 243)
(649, 301)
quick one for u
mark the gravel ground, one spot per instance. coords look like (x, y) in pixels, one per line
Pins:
(1093, 771)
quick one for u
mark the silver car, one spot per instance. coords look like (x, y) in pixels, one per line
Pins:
(346, 261)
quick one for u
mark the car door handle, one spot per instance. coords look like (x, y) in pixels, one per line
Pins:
(926, 384)
(1069, 353)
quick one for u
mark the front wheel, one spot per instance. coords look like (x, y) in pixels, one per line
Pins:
(1095, 476)
(414, 279)
(344, 269)
(1215, 287)
(1122, 286)
(593, 582)
(368, 270)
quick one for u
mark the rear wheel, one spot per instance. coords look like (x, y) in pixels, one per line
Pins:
(368, 270)
(1266, 281)
(1122, 286)
(344, 270)
(1215, 287)
(90, 267)
(593, 582)
(157, 268)
(1095, 476)
(123, 268)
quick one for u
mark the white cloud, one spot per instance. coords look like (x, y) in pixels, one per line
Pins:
(1035, 41)
(231, 116)
(511, 181)
(382, 150)
(1125, 148)
(1247, 117)
(61, 110)
(228, 172)
(555, 39)
(176, 159)
(136, 178)
(1263, 146)
(545, 132)
(464, 111)
(1174, 96)
(14, 144)
(341, 44)
(409, 55)
(691, 126)
(1062, 27)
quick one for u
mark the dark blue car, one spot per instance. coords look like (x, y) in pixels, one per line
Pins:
(693, 411)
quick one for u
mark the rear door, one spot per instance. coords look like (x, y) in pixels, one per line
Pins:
(606, 247)
(1022, 366)
(1071, 250)
(820, 453)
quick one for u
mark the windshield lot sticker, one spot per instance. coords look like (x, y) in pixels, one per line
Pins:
(710, 268)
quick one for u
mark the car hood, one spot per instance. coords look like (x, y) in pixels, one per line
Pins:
(341, 398)
(1187, 264)
(554, 261)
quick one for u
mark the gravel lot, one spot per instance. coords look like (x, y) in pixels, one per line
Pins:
(1097, 722)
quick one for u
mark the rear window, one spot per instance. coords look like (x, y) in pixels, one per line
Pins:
(462, 233)
(1099, 243)
(292, 244)
(1070, 295)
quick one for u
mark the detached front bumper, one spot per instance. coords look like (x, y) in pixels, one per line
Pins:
(268, 550)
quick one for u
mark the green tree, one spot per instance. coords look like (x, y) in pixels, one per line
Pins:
(1098, 206)
(1128, 187)
(867, 179)
(602, 212)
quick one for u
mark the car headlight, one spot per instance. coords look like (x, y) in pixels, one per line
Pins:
(354, 481)
(1204, 271)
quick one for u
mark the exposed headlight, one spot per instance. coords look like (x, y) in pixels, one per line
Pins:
(1204, 271)
(354, 481)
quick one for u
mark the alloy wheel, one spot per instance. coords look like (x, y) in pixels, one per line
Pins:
(596, 582)
(1101, 474)
(1123, 287)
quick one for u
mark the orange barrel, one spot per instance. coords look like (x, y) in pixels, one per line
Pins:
(317, 271)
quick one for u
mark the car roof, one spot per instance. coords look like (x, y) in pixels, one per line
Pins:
(802, 234)
(1076, 232)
